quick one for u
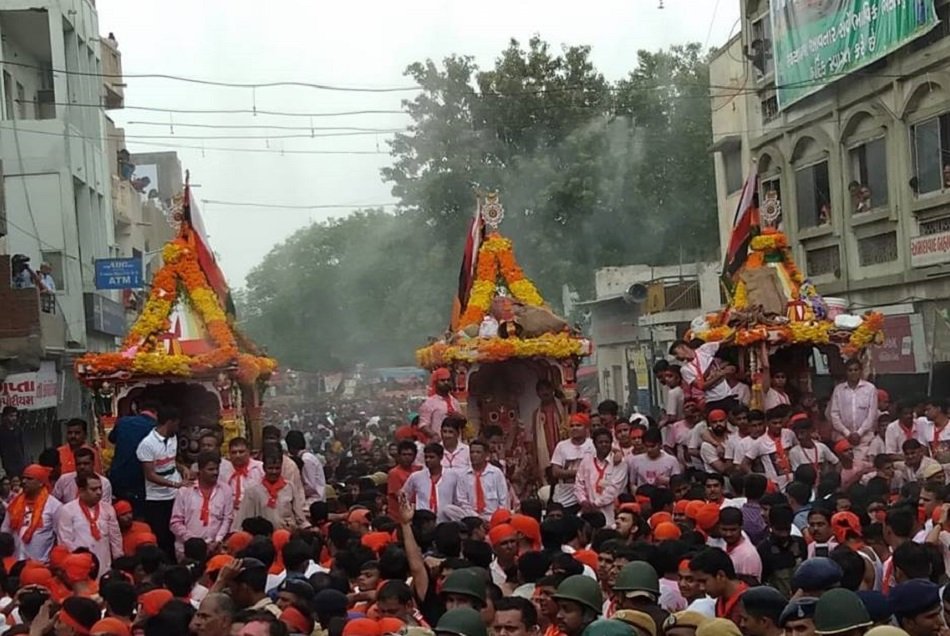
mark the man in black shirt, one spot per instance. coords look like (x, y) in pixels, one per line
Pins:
(781, 552)
(11, 442)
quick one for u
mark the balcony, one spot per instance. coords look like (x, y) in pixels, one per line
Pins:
(31, 323)
(112, 84)
(123, 199)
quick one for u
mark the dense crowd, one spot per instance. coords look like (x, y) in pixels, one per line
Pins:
(358, 518)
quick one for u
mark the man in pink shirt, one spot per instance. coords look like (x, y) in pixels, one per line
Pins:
(66, 489)
(241, 472)
(745, 557)
(203, 510)
(654, 467)
(853, 408)
(88, 522)
(438, 405)
(601, 477)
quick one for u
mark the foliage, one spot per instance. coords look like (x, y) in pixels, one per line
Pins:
(591, 173)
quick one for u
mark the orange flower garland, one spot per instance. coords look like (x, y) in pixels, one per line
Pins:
(140, 353)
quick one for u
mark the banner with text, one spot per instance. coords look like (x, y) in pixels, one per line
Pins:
(818, 41)
(31, 391)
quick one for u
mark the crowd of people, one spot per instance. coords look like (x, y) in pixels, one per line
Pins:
(354, 517)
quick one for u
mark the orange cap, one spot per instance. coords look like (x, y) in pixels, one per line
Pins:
(581, 418)
(153, 601)
(502, 515)
(679, 508)
(405, 433)
(238, 541)
(629, 507)
(217, 562)
(35, 471)
(693, 507)
(500, 533)
(666, 531)
(360, 516)
(707, 517)
(587, 557)
(141, 538)
(36, 575)
(296, 621)
(78, 567)
(122, 508)
(279, 539)
(112, 626)
(57, 555)
(529, 528)
(842, 446)
(657, 518)
(376, 541)
(844, 522)
(362, 627)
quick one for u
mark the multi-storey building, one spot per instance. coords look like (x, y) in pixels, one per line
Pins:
(855, 160)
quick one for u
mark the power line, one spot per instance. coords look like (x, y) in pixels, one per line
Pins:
(282, 206)
(204, 82)
(258, 137)
(233, 111)
(175, 124)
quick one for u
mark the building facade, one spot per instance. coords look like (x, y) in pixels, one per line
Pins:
(856, 170)
(638, 311)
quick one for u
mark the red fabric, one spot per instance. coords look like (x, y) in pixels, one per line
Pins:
(479, 492)
(273, 489)
(122, 508)
(501, 533)
(744, 225)
(205, 515)
(433, 494)
(131, 537)
(92, 516)
(236, 480)
(152, 602)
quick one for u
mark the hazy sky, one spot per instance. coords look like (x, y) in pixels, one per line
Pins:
(350, 44)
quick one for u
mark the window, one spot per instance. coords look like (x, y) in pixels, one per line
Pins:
(814, 196)
(769, 106)
(20, 101)
(930, 149)
(823, 261)
(937, 226)
(732, 161)
(875, 250)
(868, 187)
(760, 48)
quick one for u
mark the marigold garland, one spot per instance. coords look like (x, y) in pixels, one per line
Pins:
(496, 258)
(141, 352)
(558, 346)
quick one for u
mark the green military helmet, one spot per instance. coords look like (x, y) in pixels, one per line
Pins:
(465, 582)
(840, 610)
(581, 589)
(609, 627)
(638, 576)
(461, 621)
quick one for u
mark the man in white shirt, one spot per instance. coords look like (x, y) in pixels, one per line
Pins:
(158, 453)
(905, 427)
(713, 454)
(566, 459)
(437, 490)
(455, 452)
(704, 374)
(853, 408)
(485, 484)
(809, 451)
(66, 488)
(311, 470)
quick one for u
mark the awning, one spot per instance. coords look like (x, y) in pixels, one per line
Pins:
(726, 144)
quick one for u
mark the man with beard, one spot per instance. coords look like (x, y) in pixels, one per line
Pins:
(626, 522)
(515, 617)
(90, 523)
(917, 607)
(713, 453)
(438, 405)
(65, 488)
(546, 605)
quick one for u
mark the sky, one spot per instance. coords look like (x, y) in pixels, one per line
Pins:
(343, 44)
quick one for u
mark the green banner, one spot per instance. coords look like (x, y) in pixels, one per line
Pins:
(815, 42)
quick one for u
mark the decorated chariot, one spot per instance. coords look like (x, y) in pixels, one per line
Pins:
(182, 350)
(513, 360)
(775, 311)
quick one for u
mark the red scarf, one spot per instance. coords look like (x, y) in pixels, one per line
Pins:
(781, 458)
(599, 484)
(92, 516)
(206, 504)
(479, 492)
(433, 494)
(238, 476)
(17, 513)
(272, 490)
(725, 607)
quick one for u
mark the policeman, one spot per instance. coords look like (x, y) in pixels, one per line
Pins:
(638, 588)
(609, 627)
(464, 588)
(462, 621)
(916, 606)
(640, 621)
(798, 617)
(579, 602)
(759, 611)
(816, 575)
(684, 623)
(841, 612)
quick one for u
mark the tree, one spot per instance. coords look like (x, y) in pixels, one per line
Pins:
(591, 174)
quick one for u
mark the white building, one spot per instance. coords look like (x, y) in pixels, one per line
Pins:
(638, 310)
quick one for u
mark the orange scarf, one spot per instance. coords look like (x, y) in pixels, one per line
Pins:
(93, 520)
(783, 465)
(479, 492)
(272, 490)
(17, 512)
(237, 477)
(205, 516)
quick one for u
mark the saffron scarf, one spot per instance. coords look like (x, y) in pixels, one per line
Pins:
(273, 489)
(92, 518)
(237, 477)
(17, 512)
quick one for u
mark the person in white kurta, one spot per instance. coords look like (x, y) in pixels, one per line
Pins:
(601, 477)
(91, 523)
(35, 543)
